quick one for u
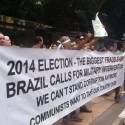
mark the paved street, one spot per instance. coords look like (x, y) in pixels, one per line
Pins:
(105, 111)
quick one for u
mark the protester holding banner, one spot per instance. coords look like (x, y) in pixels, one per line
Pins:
(55, 84)
(121, 48)
(112, 47)
(64, 43)
(39, 43)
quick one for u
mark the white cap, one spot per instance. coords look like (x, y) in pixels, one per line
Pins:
(81, 37)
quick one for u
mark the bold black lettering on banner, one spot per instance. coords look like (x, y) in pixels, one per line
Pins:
(92, 81)
(114, 59)
(26, 66)
(40, 65)
(83, 96)
(60, 78)
(10, 89)
(94, 60)
(57, 63)
(38, 119)
(92, 70)
(57, 85)
(92, 91)
(76, 87)
(32, 66)
(75, 100)
(43, 99)
(52, 64)
(57, 94)
(81, 61)
(78, 74)
(110, 76)
(12, 64)
(23, 87)
(112, 67)
(18, 67)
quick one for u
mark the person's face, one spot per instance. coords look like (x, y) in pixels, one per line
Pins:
(41, 43)
(112, 49)
(67, 45)
(54, 47)
(92, 48)
(123, 48)
(1, 37)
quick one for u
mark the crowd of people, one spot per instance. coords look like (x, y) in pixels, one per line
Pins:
(89, 43)
(85, 41)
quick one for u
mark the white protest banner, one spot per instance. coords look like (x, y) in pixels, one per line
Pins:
(38, 87)
(99, 29)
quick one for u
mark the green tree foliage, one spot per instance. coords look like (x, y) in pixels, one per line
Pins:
(77, 13)
(26, 9)
(115, 10)
(64, 14)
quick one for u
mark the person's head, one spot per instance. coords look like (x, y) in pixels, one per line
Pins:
(64, 43)
(80, 41)
(67, 45)
(80, 36)
(121, 46)
(1, 36)
(110, 45)
(74, 45)
(7, 41)
(89, 36)
(39, 41)
(112, 48)
(4, 40)
(54, 46)
(64, 39)
(92, 48)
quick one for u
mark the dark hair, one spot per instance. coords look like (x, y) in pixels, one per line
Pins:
(119, 45)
